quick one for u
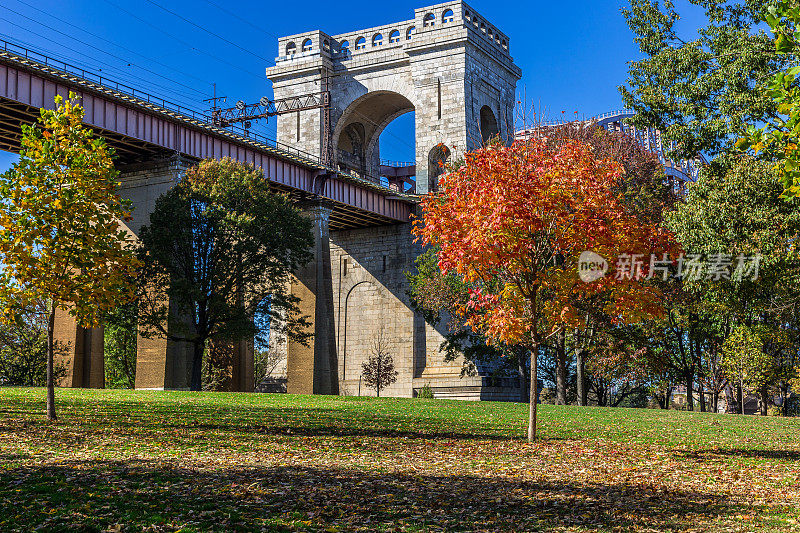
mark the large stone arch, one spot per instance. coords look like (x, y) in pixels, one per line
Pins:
(373, 111)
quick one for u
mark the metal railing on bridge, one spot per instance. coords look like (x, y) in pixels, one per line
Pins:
(72, 72)
(129, 90)
(397, 164)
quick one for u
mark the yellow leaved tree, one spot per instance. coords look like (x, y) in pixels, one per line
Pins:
(60, 237)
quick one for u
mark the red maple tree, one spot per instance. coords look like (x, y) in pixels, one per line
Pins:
(514, 220)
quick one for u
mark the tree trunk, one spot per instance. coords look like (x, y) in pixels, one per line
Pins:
(51, 385)
(534, 392)
(702, 395)
(602, 393)
(580, 366)
(715, 400)
(689, 392)
(523, 375)
(197, 367)
(668, 397)
(740, 394)
(730, 400)
(764, 400)
(784, 399)
(561, 368)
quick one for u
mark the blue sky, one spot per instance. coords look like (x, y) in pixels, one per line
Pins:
(573, 54)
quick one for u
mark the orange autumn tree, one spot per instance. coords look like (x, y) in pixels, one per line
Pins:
(512, 221)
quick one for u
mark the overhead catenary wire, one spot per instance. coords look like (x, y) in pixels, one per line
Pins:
(198, 26)
(117, 73)
(157, 62)
(241, 19)
(185, 43)
(92, 46)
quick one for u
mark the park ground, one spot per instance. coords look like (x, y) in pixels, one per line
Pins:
(177, 461)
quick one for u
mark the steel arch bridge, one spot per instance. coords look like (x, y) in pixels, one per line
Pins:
(686, 170)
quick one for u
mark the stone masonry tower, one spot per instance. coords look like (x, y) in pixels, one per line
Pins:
(448, 65)
(453, 70)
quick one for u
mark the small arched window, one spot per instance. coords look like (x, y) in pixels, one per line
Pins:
(307, 45)
(344, 47)
(410, 32)
(483, 27)
(491, 34)
(467, 15)
(505, 44)
(448, 16)
(291, 48)
(394, 37)
(326, 45)
(429, 20)
(477, 22)
(361, 43)
(377, 39)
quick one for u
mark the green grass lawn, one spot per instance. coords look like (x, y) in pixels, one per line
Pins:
(167, 461)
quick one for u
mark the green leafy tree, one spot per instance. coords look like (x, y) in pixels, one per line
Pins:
(120, 346)
(778, 139)
(700, 89)
(23, 348)
(60, 237)
(218, 256)
(732, 212)
(745, 360)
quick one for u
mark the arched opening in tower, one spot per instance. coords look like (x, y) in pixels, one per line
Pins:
(375, 139)
(438, 158)
(489, 128)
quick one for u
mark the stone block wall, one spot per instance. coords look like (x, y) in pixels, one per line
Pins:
(446, 65)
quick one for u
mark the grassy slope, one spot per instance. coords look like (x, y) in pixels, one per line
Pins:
(184, 461)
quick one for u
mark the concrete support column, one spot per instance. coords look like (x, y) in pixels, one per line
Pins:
(79, 351)
(236, 362)
(313, 369)
(242, 370)
(162, 363)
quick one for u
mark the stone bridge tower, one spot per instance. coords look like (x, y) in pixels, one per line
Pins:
(449, 65)
(452, 68)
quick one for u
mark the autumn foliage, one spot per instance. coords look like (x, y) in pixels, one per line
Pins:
(60, 236)
(513, 222)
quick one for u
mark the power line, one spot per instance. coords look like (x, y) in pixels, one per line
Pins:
(117, 45)
(185, 43)
(389, 132)
(119, 73)
(198, 26)
(95, 47)
(234, 15)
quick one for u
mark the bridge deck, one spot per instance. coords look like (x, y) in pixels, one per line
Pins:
(141, 130)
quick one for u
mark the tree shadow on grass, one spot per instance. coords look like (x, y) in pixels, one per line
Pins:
(128, 417)
(790, 455)
(97, 495)
(330, 430)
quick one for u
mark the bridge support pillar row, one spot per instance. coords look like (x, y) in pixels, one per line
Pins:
(313, 369)
(162, 363)
(79, 353)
